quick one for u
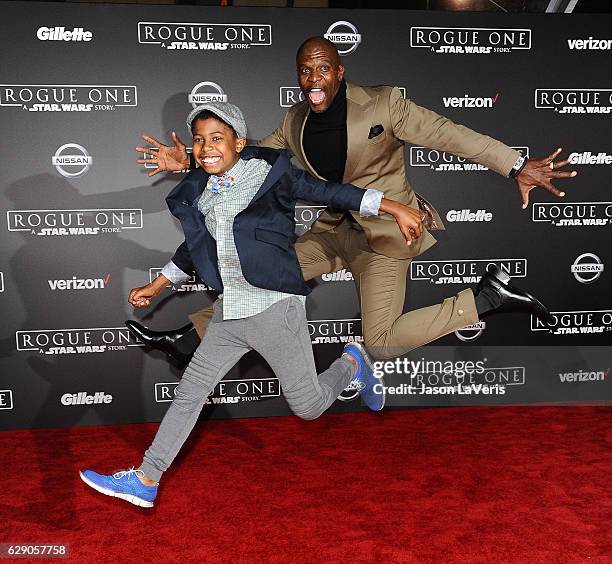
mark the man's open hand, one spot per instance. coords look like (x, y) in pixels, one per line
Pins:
(166, 158)
(539, 173)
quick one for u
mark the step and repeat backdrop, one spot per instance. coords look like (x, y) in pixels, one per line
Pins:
(82, 223)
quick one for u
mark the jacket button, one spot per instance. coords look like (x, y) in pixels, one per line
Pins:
(460, 311)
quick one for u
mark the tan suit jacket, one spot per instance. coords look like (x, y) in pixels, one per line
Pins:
(380, 163)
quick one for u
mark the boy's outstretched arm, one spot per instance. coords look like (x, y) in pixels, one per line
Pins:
(349, 197)
(176, 272)
(141, 297)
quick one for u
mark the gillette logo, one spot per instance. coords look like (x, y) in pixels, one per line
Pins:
(343, 275)
(588, 158)
(62, 34)
(83, 398)
(468, 216)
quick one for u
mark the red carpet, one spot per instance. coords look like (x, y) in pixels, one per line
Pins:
(525, 484)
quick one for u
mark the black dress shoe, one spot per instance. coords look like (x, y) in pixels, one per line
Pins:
(165, 341)
(512, 299)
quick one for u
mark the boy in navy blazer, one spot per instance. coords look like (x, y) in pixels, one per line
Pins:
(237, 214)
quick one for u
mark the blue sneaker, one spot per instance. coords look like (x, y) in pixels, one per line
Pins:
(124, 484)
(371, 388)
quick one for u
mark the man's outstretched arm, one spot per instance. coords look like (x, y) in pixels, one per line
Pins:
(420, 126)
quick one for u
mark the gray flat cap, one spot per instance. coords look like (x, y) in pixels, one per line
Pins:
(227, 112)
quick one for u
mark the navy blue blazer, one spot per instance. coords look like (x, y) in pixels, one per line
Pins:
(264, 232)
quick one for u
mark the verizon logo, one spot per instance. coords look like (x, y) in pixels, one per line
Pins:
(582, 376)
(470, 102)
(590, 43)
(75, 283)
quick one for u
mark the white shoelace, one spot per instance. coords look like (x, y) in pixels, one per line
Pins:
(128, 473)
(355, 385)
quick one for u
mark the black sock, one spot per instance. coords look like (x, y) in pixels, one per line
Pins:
(189, 342)
(486, 300)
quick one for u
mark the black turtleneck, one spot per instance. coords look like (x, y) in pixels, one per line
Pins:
(324, 138)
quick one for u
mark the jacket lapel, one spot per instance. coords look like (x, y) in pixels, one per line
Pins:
(280, 166)
(202, 247)
(297, 137)
(360, 109)
(187, 191)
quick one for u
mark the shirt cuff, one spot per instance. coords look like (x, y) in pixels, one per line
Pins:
(370, 203)
(174, 273)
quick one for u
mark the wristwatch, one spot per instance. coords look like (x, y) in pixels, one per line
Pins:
(518, 166)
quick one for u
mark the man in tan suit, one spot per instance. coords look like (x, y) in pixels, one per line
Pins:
(347, 133)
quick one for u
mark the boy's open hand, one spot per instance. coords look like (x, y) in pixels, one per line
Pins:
(167, 158)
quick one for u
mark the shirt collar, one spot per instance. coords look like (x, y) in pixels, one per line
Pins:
(237, 170)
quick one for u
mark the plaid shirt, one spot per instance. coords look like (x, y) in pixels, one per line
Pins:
(241, 299)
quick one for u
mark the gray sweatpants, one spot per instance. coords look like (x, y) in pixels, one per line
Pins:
(280, 335)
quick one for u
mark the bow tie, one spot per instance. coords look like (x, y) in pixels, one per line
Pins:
(217, 184)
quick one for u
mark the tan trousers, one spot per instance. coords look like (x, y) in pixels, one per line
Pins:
(381, 286)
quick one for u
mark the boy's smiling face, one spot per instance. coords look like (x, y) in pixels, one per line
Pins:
(215, 145)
